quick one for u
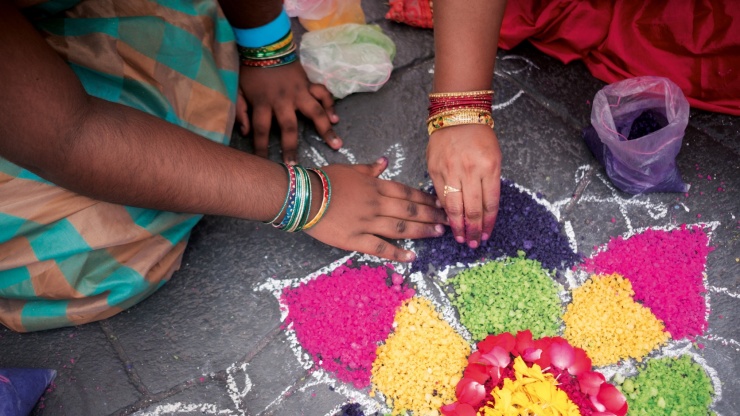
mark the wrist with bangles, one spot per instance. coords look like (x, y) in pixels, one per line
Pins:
(267, 46)
(298, 199)
(449, 109)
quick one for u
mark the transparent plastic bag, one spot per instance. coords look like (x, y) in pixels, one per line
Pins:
(637, 126)
(348, 58)
(309, 9)
(321, 14)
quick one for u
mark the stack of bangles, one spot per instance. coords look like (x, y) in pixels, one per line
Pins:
(297, 204)
(448, 109)
(267, 46)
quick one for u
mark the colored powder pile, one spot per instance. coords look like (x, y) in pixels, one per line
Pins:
(340, 319)
(351, 409)
(420, 364)
(665, 268)
(669, 386)
(522, 224)
(507, 296)
(604, 320)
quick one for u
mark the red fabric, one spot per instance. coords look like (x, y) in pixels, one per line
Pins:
(412, 12)
(694, 43)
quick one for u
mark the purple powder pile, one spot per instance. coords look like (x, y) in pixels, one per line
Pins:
(665, 269)
(340, 319)
(351, 409)
(522, 224)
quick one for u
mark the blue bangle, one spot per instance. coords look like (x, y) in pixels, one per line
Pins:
(264, 35)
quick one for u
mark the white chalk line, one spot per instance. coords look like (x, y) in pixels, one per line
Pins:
(510, 101)
(180, 408)
(724, 291)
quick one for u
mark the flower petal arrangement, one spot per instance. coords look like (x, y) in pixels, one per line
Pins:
(515, 374)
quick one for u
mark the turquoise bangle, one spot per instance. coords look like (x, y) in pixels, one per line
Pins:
(264, 35)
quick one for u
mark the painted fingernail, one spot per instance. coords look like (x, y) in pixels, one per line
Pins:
(460, 239)
(410, 256)
(382, 160)
(473, 244)
(484, 237)
(439, 229)
(437, 203)
(334, 118)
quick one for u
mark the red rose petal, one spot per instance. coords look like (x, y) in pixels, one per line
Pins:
(458, 409)
(531, 354)
(474, 358)
(603, 414)
(596, 404)
(498, 357)
(590, 383)
(612, 398)
(470, 391)
(504, 340)
(562, 355)
(523, 342)
(495, 374)
(581, 363)
(477, 372)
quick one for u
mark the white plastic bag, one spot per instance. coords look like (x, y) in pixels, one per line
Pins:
(348, 58)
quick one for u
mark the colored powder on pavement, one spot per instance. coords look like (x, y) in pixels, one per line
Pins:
(522, 224)
(421, 362)
(670, 387)
(510, 295)
(666, 270)
(340, 319)
(605, 320)
(351, 409)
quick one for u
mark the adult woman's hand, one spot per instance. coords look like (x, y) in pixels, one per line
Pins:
(467, 160)
(280, 92)
(364, 208)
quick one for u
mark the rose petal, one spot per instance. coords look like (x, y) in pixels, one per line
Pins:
(523, 342)
(497, 357)
(470, 391)
(477, 372)
(590, 382)
(474, 358)
(458, 409)
(504, 340)
(495, 374)
(531, 354)
(611, 398)
(544, 345)
(603, 414)
(596, 404)
(562, 355)
(581, 363)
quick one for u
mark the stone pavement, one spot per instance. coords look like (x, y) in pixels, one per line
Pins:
(210, 342)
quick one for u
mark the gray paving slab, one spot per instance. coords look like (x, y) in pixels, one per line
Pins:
(91, 379)
(721, 127)
(207, 398)
(309, 400)
(273, 372)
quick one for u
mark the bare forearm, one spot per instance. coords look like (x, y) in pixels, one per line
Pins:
(125, 156)
(466, 38)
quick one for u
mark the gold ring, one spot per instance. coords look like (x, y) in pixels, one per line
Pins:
(449, 189)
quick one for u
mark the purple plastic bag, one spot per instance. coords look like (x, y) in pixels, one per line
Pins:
(21, 388)
(639, 164)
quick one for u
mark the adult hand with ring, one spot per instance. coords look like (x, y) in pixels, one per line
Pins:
(464, 163)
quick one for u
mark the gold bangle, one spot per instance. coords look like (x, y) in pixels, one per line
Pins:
(471, 110)
(459, 118)
(460, 94)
